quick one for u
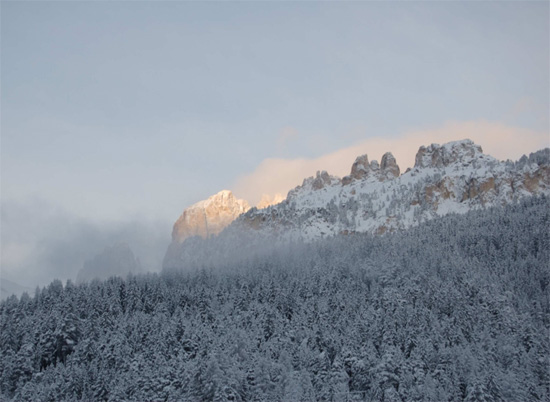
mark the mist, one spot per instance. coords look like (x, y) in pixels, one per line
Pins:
(41, 241)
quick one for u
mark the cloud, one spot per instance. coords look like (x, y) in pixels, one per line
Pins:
(286, 136)
(277, 175)
(41, 242)
(524, 104)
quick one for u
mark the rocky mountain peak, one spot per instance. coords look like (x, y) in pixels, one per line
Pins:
(361, 169)
(439, 156)
(389, 165)
(322, 179)
(209, 217)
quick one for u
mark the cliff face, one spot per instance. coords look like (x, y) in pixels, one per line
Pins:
(208, 217)
(204, 219)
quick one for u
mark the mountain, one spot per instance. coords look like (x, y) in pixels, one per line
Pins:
(117, 260)
(376, 198)
(205, 219)
(208, 217)
(452, 178)
(451, 309)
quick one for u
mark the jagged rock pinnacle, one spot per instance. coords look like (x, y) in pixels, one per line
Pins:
(389, 165)
(362, 169)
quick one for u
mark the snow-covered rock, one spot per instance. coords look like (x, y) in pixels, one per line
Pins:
(320, 181)
(438, 156)
(454, 177)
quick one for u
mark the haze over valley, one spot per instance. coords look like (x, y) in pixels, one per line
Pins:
(275, 201)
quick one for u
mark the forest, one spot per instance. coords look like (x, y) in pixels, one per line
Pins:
(457, 308)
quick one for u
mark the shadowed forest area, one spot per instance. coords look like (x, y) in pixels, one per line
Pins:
(457, 308)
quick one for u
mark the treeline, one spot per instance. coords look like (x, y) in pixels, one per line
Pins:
(455, 309)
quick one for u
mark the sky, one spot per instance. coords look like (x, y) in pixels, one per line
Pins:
(115, 116)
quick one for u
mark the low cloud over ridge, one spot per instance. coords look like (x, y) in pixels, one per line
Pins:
(277, 175)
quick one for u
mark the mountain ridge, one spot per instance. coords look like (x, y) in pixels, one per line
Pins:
(455, 177)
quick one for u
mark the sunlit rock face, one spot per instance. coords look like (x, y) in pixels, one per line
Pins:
(204, 219)
(117, 260)
(208, 217)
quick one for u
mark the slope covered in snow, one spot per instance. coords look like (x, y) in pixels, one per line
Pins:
(452, 178)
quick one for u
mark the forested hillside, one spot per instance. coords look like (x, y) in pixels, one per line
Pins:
(457, 308)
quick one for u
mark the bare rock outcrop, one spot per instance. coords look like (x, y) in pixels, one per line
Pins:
(362, 169)
(439, 156)
(208, 217)
(389, 166)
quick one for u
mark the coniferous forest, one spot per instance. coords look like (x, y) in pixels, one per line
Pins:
(454, 309)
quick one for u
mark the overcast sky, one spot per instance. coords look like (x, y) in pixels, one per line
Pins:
(117, 113)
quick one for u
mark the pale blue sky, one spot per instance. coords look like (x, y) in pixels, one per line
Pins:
(133, 110)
